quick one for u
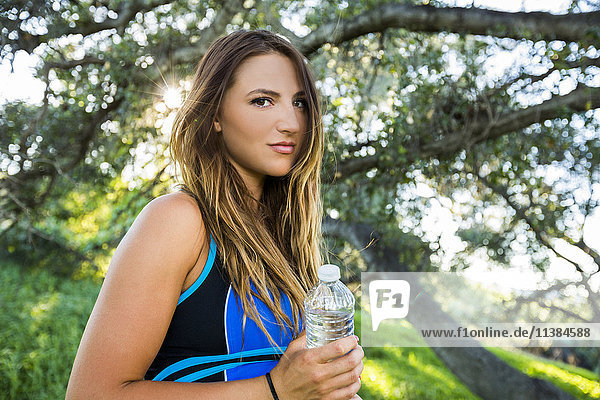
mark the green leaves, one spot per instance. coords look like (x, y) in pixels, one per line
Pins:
(391, 96)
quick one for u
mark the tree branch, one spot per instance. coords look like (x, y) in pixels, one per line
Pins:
(128, 10)
(579, 100)
(14, 184)
(49, 238)
(224, 16)
(587, 250)
(555, 289)
(558, 65)
(476, 21)
(539, 234)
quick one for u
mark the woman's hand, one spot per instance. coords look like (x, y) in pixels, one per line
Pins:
(330, 372)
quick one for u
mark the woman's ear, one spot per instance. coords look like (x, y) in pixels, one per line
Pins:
(217, 126)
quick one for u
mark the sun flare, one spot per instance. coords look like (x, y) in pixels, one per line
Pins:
(173, 97)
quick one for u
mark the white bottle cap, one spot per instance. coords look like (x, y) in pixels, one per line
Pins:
(329, 273)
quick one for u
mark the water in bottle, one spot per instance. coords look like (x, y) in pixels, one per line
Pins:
(329, 309)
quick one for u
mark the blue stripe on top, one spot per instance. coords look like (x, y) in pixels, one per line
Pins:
(209, 371)
(192, 361)
(207, 267)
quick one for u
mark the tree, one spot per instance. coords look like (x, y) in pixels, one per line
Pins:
(411, 98)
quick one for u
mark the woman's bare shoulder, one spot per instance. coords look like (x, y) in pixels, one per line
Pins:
(180, 207)
(139, 295)
(173, 219)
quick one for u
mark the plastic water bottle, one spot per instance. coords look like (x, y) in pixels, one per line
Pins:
(329, 309)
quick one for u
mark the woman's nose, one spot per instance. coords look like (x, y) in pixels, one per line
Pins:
(290, 119)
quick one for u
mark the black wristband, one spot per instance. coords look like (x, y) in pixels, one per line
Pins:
(270, 382)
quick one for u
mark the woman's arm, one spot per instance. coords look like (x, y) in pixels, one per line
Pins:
(135, 306)
(134, 309)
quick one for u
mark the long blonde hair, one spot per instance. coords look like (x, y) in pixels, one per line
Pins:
(276, 247)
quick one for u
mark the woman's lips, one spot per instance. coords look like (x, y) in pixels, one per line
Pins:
(282, 149)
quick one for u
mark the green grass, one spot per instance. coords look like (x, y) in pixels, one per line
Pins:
(417, 373)
(580, 382)
(41, 321)
(42, 318)
(408, 373)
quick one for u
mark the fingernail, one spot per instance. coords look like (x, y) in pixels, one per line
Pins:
(359, 377)
(356, 338)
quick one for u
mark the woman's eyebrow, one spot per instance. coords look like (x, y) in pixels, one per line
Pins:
(271, 93)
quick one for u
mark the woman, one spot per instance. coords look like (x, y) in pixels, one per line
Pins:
(207, 285)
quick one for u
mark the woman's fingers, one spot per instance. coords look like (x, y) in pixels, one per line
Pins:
(335, 349)
(344, 393)
(347, 378)
(341, 375)
(346, 362)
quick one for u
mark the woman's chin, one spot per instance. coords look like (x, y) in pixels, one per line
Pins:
(279, 172)
(279, 175)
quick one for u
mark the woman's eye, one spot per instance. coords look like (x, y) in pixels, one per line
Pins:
(261, 101)
(300, 103)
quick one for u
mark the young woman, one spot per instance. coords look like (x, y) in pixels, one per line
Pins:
(204, 293)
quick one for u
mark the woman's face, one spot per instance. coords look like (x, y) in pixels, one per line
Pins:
(265, 106)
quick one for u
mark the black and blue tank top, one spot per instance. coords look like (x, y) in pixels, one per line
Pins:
(204, 342)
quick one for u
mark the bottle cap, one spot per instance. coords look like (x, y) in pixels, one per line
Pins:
(329, 273)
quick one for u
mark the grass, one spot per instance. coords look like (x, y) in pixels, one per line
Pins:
(408, 373)
(41, 321)
(417, 373)
(580, 382)
(42, 318)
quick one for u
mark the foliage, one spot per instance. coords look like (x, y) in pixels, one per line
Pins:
(41, 323)
(391, 94)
